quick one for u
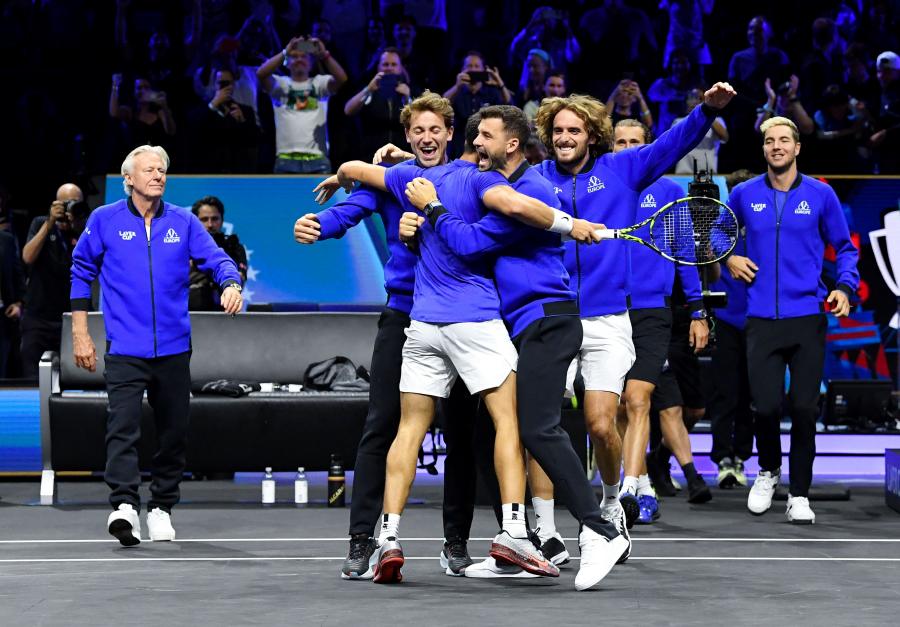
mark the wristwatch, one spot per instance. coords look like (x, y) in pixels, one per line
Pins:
(235, 285)
(432, 207)
(700, 314)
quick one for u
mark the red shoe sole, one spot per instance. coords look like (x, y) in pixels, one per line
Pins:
(388, 568)
(505, 555)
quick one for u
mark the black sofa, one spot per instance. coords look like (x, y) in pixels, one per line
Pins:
(280, 430)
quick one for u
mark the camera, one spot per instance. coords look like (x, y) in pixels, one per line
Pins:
(783, 89)
(77, 208)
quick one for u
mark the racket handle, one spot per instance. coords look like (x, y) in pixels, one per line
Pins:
(607, 233)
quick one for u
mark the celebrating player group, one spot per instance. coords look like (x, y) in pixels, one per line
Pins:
(504, 280)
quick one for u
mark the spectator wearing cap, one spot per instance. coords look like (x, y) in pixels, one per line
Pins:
(886, 139)
(841, 129)
(535, 70)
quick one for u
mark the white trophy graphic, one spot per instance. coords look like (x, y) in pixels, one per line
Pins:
(890, 267)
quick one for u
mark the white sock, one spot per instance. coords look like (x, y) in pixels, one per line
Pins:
(610, 494)
(544, 518)
(514, 520)
(644, 488)
(390, 527)
(629, 484)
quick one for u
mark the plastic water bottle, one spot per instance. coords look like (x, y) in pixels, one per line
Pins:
(336, 494)
(301, 488)
(268, 488)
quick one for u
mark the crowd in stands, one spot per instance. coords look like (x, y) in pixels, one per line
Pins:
(300, 86)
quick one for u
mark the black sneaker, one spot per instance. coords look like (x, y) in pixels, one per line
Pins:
(357, 564)
(554, 549)
(698, 491)
(455, 557)
(631, 506)
(660, 475)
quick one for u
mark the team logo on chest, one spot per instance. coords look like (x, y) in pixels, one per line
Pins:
(802, 208)
(557, 190)
(594, 184)
(757, 206)
(171, 237)
(127, 235)
(649, 202)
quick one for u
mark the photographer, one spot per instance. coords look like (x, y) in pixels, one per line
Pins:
(229, 136)
(782, 101)
(203, 295)
(299, 101)
(48, 254)
(379, 104)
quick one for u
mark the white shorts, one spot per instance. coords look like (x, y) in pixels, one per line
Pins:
(434, 355)
(606, 356)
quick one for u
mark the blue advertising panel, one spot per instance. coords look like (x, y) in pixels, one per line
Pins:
(262, 211)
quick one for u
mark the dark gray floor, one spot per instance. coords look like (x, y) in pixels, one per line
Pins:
(245, 565)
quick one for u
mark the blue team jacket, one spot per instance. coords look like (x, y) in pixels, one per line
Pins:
(530, 274)
(786, 235)
(606, 191)
(399, 271)
(652, 275)
(145, 281)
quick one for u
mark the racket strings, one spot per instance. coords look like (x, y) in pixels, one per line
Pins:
(695, 230)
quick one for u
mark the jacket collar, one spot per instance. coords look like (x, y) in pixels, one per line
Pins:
(519, 173)
(159, 212)
(794, 185)
(587, 167)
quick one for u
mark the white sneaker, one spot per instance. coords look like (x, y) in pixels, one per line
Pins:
(799, 512)
(125, 525)
(159, 524)
(760, 498)
(490, 569)
(598, 556)
(616, 515)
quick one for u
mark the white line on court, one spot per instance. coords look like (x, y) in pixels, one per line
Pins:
(344, 539)
(125, 560)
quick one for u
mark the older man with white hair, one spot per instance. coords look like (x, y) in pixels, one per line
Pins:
(140, 247)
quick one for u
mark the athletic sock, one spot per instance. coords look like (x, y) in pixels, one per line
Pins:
(644, 488)
(514, 520)
(546, 521)
(689, 471)
(629, 484)
(390, 527)
(610, 495)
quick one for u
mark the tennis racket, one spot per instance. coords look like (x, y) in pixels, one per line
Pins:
(692, 231)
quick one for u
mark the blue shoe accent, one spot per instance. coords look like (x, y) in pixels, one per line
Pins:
(649, 509)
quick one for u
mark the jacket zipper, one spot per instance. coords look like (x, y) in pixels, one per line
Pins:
(577, 244)
(777, 240)
(152, 295)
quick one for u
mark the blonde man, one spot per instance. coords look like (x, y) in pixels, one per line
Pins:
(789, 218)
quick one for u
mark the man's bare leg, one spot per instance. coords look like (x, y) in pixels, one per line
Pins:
(676, 438)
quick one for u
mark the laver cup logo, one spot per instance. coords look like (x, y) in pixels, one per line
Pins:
(889, 264)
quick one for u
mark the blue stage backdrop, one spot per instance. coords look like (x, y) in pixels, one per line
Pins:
(262, 211)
